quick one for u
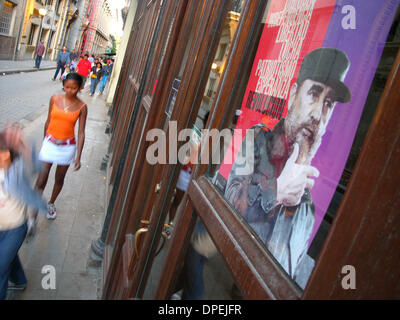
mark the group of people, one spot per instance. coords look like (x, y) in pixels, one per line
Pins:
(18, 160)
(98, 69)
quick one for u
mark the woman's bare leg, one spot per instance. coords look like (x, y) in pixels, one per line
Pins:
(41, 182)
(61, 171)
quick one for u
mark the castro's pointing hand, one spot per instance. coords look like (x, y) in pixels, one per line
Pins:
(294, 179)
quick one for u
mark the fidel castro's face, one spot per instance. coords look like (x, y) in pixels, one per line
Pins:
(310, 108)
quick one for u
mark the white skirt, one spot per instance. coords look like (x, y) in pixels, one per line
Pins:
(52, 153)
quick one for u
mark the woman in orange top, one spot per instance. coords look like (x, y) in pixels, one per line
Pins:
(59, 144)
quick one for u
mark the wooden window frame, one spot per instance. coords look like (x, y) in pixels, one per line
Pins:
(354, 229)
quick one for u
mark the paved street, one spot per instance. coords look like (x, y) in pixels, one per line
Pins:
(65, 242)
(25, 96)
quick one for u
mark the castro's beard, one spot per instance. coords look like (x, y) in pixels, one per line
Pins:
(308, 137)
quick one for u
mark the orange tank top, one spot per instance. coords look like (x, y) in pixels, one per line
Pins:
(62, 124)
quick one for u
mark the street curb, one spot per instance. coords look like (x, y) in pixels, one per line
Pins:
(12, 71)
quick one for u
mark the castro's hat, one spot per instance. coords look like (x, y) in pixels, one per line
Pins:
(328, 66)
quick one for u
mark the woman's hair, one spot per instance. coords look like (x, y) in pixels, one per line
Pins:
(4, 147)
(99, 63)
(74, 77)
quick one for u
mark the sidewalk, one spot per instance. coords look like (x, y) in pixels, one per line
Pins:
(64, 243)
(10, 66)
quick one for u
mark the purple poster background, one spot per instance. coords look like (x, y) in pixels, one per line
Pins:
(363, 45)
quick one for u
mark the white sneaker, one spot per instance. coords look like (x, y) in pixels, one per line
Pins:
(51, 211)
(176, 296)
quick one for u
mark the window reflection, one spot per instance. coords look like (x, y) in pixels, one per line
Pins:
(298, 153)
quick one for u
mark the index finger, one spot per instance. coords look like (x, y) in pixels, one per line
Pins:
(311, 171)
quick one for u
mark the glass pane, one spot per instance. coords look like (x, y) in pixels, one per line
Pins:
(210, 276)
(316, 72)
(204, 274)
(162, 43)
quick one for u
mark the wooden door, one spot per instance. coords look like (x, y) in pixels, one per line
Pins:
(130, 114)
(187, 33)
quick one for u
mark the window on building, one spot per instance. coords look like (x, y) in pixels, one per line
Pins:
(236, 5)
(57, 8)
(32, 34)
(221, 52)
(6, 18)
(50, 39)
(211, 86)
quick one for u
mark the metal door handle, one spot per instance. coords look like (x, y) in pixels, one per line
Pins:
(143, 230)
(137, 234)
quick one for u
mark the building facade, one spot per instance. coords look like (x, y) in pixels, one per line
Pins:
(48, 26)
(11, 20)
(83, 25)
(77, 25)
(97, 35)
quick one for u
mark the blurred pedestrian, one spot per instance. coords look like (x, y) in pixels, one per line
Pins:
(17, 160)
(201, 246)
(91, 59)
(95, 77)
(83, 68)
(66, 72)
(73, 65)
(62, 61)
(59, 144)
(73, 55)
(39, 54)
(107, 69)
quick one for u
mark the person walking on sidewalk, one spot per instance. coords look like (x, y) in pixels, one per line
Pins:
(73, 55)
(62, 61)
(59, 144)
(67, 72)
(91, 59)
(73, 64)
(16, 160)
(107, 69)
(95, 77)
(83, 68)
(39, 54)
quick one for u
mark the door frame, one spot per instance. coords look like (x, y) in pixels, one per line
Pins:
(125, 139)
